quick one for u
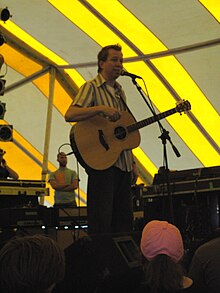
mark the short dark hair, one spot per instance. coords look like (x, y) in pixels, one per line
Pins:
(61, 154)
(103, 54)
(31, 264)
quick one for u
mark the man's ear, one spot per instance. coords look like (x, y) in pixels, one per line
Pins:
(101, 64)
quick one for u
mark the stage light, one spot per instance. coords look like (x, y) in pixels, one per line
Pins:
(6, 132)
(1, 60)
(2, 110)
(2, 81)
(2, 86)
(2, 40)
(4, 14)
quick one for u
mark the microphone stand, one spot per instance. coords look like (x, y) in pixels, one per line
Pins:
(164, 137)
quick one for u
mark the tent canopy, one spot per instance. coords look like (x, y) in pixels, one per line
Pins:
(50, 51)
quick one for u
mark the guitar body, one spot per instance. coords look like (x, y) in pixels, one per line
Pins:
(98, 142)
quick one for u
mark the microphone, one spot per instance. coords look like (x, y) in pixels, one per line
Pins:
(126, 73)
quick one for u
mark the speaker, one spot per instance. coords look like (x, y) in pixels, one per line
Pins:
(196, 215)
(102, 263)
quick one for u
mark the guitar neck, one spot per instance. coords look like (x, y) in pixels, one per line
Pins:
(150, 120)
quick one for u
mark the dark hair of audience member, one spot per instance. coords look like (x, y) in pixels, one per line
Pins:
(163, 272)
(31, 264)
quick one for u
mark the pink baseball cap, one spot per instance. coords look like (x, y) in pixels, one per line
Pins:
(161, 237)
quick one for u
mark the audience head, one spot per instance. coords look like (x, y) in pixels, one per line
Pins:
(161, 237)
(31, 264)
(162, 248)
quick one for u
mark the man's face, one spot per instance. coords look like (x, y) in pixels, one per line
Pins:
(62, 159)
(111, 68)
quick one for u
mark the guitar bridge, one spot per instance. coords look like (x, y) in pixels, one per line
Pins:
(102, 140)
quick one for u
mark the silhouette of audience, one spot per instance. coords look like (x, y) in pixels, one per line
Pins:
(205, 264)
(31, 264)
(37, 264)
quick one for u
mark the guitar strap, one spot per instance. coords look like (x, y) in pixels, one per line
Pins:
(127, 107)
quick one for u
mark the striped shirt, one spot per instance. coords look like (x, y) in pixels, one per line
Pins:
(96, 92)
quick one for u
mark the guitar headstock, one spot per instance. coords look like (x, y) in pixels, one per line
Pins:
(183, 106)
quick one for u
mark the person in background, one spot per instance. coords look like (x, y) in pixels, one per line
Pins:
(31, 264)
(64, 181)
(162, 249)
(109, 199)
(5, 171)
(205, 264)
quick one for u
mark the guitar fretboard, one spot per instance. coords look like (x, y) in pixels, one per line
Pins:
(150, 120)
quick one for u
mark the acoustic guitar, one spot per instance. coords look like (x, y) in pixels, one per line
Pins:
(98, 142)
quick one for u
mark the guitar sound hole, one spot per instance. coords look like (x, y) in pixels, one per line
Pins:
(120, 132)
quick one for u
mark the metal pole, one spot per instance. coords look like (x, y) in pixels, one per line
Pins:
(48, 127)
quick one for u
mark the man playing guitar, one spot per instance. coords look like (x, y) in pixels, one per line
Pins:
(109, 201)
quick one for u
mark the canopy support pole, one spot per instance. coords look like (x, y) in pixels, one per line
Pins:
(52, 72)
